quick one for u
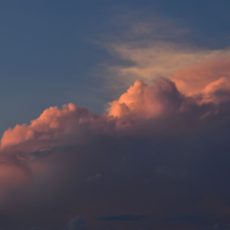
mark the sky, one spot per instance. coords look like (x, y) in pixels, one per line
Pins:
(114, 115)
(53, 52)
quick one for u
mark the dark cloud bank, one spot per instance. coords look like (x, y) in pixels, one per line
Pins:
(157, 159)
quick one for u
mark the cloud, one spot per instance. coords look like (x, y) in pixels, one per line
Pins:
(55, 126)
(212, 66)
(147, 100)
(160, 147)
(71, 125)
(135, 26)
(192, 69)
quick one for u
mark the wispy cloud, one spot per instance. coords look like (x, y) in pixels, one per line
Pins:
(191, 68)
(150, 47)
(159, 145)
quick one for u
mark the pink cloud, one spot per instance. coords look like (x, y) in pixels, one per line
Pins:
(147, 101)
(154, 133)
(55, 126)
(195, 77)
(141, 102)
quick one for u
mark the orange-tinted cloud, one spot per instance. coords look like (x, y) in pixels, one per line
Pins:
(147, 101)
(192, 79)
(192, 69)
(55, 126)
(162, 134)
(142, 101)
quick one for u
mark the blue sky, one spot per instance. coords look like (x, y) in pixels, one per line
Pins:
(52, 52)
(156, 153)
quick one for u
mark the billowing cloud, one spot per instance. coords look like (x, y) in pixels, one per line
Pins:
(55, 126)
(142, 101)
(162, 134)
(147, 101)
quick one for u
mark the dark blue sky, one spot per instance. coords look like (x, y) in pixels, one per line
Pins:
(157, 157)
(51, 51)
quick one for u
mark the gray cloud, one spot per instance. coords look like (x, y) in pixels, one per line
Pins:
(165, 152)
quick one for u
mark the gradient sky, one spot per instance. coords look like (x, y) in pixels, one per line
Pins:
(115, 115)
(53, 52)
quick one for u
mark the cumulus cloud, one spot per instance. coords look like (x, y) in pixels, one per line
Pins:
(147, 100)
(55, 126)
(162, 134)
(142, 101)
(160, 149)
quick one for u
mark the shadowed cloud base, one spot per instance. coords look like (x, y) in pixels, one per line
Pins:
(158, 151)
